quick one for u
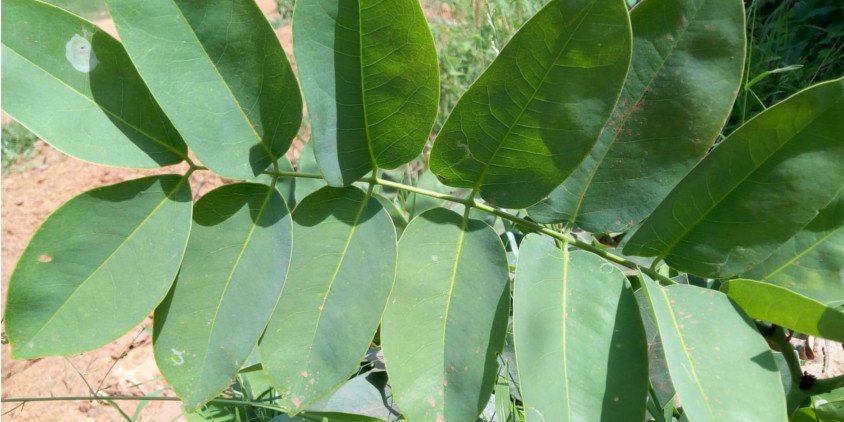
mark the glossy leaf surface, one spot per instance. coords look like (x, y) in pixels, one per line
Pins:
(234, 267)
(89, 274)
(341, 272)
(218, 70)
(756, 190)
(535, 113)
(664, 123)
(369, 71)
(75, 87)
(446, 318)
(713, 351)
(564, 305)
(812, 262)
(786, 308)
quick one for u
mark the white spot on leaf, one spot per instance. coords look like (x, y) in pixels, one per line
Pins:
(80, 54)
(178, 354)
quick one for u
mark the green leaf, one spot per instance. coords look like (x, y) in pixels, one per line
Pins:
(786, 308)
(417, 204)
(218, 70)
(756, 190)
(341, 273)
(89, 274)
(369, 71)
(580, 343)
(535, 113)
(286, 185)
(812, 262)
(827, 412)
(399, 222)
(713, 352)
(234, 267)
(446, 318)
(74, 86)
(664, 123)
(368, 395)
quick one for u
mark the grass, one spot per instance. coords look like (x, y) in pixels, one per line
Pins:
(18, 144)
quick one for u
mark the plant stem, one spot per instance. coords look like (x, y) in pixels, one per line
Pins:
(826, 385)
(471, 202)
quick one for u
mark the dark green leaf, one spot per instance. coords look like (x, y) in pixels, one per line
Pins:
(784, 307)
(755, 191)
(341, 273)
(369, 71)
(580, 343)
(446, 318)
(218, 70)
(89, 274)
(720, 365)
(75, 87)
(536, 112)
(234, 267)
(664, 121)
(812, 262)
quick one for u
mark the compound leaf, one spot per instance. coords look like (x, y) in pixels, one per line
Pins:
(89, 274)
(580, 342)
(219, 72)
(535, 113)
(234, 267)
(75, 87)
(713, 351)
(665, 120)
(753, 192)
(446, 318)
(369, 71)
(341, 273)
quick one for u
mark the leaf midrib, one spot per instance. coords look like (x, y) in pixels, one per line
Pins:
(452, 281)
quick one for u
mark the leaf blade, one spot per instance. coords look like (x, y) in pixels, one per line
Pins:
(502, 138)
(640, 154)
(95, 246)
(340, 277)
(232, 95)
(763, 174)
(234, 267)
(565, 303)
(75, 87)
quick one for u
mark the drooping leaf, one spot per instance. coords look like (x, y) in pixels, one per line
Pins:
(657, 368)
(446, 318)
(721, 367)
(756, 190)
(678, 48)
(369, 71)
(580, 343)
(535, 113)
(341, 273)
(367, 395)
(218, 70)
(89, 274)
(784, 307)
(234, 267)
(75, 87)
(812, 262)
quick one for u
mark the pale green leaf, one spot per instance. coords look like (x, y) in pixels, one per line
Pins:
(720, 365)
(688, 59)
(89, 274)
(446, 318)
(234, 267)
(218, 71)
(754, 191)
(341, 272)
(784, 307)
(580, 343)
(369, 71)
(75, 87)
(535, 113)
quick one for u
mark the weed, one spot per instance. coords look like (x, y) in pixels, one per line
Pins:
(18, 145)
